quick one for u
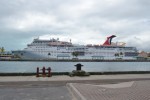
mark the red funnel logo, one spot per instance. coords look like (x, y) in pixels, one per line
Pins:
(108, 41)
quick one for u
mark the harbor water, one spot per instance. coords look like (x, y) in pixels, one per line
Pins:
(30, 66)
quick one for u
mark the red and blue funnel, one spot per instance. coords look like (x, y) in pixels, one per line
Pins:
(108, 41)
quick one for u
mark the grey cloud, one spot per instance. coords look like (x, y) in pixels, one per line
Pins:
(125, 18)
(125, 9)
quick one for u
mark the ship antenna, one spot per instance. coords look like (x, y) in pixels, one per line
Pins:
(70, 40)
(57, 39)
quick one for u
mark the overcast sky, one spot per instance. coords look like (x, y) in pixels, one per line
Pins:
(82, 21)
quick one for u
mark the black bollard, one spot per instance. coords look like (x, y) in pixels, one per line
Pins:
(78, 67)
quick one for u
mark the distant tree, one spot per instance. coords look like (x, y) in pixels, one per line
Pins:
(116, 54)
(2, 49)
(75, 54)
(121, 53)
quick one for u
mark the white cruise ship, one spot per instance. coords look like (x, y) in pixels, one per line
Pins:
(55, 49)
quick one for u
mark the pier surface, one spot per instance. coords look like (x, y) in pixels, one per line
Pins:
(94, 87)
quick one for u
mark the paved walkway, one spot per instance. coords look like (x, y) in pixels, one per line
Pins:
(138, 90)
(94, 87)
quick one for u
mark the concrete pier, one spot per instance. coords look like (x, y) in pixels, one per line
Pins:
(94, 87)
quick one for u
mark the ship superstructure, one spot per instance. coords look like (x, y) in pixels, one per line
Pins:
(55, 49)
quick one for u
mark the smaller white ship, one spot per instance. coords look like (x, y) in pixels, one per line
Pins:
(5, 55)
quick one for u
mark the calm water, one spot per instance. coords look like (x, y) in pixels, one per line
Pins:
(24, 67)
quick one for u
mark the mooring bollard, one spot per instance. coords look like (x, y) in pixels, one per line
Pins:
(78, 67)
(49, 72)
(43, 71)
(37, 72)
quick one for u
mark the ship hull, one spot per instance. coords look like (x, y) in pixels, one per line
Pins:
(22, 54)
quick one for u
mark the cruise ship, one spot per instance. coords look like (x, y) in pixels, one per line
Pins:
(54, 49)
